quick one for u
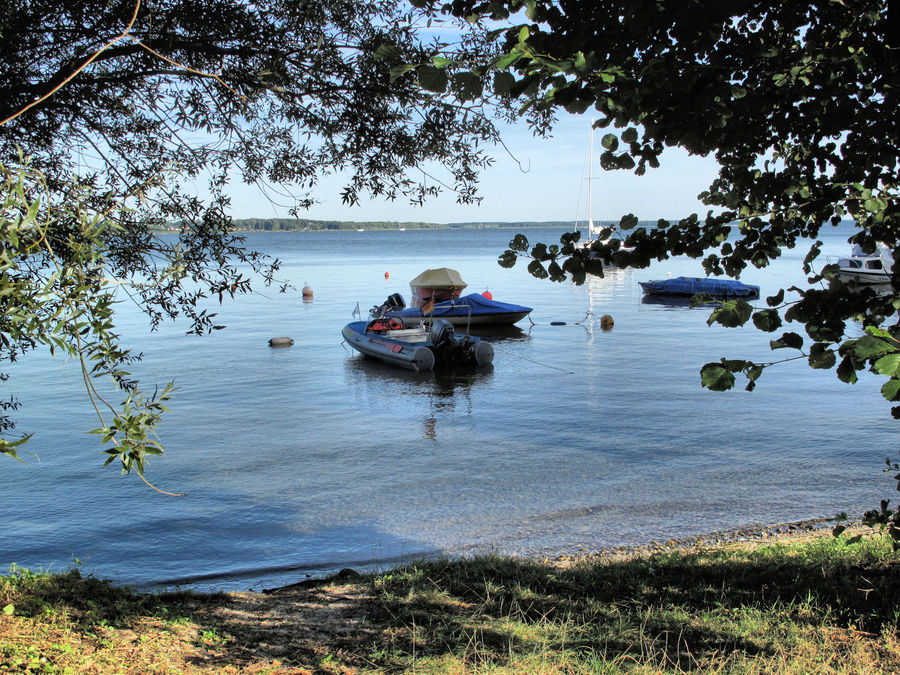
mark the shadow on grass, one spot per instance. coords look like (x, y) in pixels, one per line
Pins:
(678, 610)
(673, 611)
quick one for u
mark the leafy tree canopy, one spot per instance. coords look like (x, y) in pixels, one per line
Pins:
(110, 112)
(797, 102)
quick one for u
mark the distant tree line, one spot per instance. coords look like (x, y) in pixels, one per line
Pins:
(293, 224)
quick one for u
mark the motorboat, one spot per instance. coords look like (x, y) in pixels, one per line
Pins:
(437, 285)
(867, 268)
(686, 286)
(474, 309)
(435, 294)
(418, 348)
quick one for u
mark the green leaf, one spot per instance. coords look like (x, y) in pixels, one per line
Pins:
(767, 320)
(610, 142)
(580, 62)
(698, 299)
(505, 61)
(556, 272)
(519, 243)
(9, 610)
(888, 365)
(775, 300)
(731, 313)
(503, 83)
(628, 222)
(433, 79)
(630, 135)
(846, 372)
(539, 252)
(385, 52)
(467, 86)
(869, 346)
(716, 377)
(821, 357)
(787, 341)
(537, 270)
(891, 389)
(401, 70)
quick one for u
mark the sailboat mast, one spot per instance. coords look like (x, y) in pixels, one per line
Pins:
(590, 227)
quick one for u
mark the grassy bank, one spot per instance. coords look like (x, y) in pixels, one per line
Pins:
(816, 605)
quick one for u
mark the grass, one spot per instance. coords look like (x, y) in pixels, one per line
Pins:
(818, 605)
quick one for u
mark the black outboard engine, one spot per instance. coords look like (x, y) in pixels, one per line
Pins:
(441, 335)
(451, 350)
(393, 303)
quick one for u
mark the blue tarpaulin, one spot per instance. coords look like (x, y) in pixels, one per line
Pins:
(692, 285)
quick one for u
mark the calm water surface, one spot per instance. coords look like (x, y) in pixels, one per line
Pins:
(304, 460)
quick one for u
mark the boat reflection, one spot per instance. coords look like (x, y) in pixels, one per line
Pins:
(499, 333)
(602, 294)
(432, 396)
(673, 301)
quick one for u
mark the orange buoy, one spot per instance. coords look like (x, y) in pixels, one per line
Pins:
(387, 275)
(487, 294)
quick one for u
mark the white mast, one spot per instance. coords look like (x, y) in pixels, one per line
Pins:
(590, 230)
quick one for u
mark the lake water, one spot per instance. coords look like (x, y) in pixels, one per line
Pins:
(308, 459)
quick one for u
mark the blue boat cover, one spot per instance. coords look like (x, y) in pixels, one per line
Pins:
(691, 285)
(475, 303)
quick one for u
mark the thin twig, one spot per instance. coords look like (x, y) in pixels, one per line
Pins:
(84, 65)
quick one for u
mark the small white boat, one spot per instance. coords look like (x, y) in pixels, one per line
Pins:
(867, 268)
(593, 229)
(418, 348)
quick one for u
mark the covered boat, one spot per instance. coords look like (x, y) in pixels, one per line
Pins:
(439, 285)
(418, 348)
(720, 288)
(473, 309)
(436, 295)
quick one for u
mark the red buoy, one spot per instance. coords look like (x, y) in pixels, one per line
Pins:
(487, 294)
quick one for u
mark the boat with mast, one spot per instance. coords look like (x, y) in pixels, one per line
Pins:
(593, 229)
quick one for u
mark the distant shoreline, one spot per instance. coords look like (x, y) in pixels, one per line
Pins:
(304, 225)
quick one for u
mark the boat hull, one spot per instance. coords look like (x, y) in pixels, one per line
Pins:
(469, 310)
(873, 269)
(414, 349)
(864, 277)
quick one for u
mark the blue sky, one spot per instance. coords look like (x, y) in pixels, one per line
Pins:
(549, 190)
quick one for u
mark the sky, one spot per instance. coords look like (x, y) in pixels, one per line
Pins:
(553, 188)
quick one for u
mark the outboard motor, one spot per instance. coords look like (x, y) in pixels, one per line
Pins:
(441, 334)
(393, 303)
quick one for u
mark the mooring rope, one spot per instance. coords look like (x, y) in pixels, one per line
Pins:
(589, 316)
(539, 363)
